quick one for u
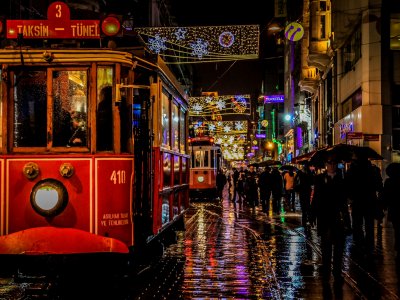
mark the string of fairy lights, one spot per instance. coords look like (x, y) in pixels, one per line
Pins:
(178, 45)
(210, 106)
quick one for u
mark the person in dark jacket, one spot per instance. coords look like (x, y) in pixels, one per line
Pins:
(364, 183)
(251, 187)
(220, 181)
(264, 184)
(391, 197)
(329, 210)
(276, 189)
(304, 181)
(235, 178)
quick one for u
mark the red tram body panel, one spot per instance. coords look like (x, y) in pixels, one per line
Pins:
(94, 150)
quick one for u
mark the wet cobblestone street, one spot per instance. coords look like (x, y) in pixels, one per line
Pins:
(230, 250)
(233, 251)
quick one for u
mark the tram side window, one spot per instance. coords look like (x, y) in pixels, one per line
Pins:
(104, 118)
(30, 109)
(175, 127)
(182, 131)
(213, 159)
(70, 108)
(165, 121)
(1, 113)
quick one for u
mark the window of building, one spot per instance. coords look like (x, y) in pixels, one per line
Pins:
(395, 31)
(396, 117)
(352, 51)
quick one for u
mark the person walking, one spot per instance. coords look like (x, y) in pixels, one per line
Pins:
(391, 199)
(329, 211)
(276, 189)
(251, 187)
(304, 181)
(240, 185)
(235, 178)
(363, 184)
(289, 189)
(264, 184)
(220, 181)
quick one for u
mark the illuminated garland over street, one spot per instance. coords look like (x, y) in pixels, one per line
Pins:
(216, 107)
(202, 44)
(231, 135)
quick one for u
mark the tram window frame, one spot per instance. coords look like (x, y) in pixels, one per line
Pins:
(48, 111)
(104, 108)
(175, 126)
(83, 112)
(25, 128)
(166, 120)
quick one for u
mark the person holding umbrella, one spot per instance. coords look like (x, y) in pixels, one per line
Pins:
(329, 211)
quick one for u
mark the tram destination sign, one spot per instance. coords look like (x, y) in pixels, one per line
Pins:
(57, 26)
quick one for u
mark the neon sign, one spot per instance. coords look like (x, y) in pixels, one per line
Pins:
(274, 99)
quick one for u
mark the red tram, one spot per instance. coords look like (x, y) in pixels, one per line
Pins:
(94, 150)
(206, 160)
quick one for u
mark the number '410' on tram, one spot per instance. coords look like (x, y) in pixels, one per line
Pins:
(93, 150)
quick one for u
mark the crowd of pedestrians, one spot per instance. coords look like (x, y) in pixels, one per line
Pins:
(338, 200)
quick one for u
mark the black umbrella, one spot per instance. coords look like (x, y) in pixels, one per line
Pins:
(268, 163)
(343, 152)
(285, 168)
(304, 158)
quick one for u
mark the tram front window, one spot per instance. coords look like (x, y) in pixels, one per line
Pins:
(70, 108)
(30, 107)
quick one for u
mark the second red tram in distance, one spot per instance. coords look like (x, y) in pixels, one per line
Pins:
(206, 160)
(94, 154)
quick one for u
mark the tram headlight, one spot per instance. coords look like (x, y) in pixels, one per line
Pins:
(200, 179)
(49, 197)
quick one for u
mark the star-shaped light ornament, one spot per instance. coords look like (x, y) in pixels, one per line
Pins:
(211, 127)
(180, 34)
(227, 129)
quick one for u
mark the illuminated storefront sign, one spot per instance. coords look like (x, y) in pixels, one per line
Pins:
(345, 128)
(57, 26)
(260, 135)
(274, 99)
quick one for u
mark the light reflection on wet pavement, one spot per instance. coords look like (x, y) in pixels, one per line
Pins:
(233, 251)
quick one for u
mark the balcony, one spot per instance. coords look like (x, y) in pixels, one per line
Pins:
(320, 55)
